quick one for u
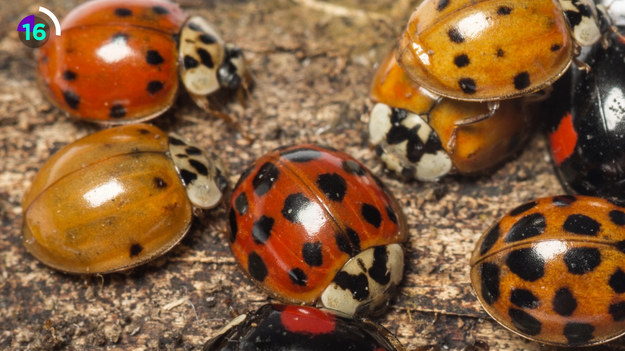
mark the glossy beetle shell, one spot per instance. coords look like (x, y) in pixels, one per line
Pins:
(553, 270)
(485, 50)
(298, 215)
(301, 328)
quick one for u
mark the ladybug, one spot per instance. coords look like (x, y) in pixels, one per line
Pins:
(301, 328)
(118, 62)
(417, 135)
(117, 198)
(553, 270)
(311, 224)
(494, 50)
(586, 131)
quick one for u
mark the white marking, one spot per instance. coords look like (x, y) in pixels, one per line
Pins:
(548, 250)
(472, 26)
(115, 51)
(103, 193)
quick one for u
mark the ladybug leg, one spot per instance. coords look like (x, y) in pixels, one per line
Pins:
(493, 106)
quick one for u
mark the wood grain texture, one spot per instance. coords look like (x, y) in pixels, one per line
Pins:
(312, 67)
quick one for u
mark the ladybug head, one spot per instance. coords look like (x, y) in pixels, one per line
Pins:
(233, 71)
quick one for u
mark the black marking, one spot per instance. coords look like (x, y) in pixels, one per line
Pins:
(205, 57)
(489, 276)
(301, 155)
(144, 131)
(189, 62)
(240, 204)
(123, 12)
(455, 36)
(358, 285)
(397, 134)
(500, 53)
(617, 310)
(442, 4)
(159, 183)
(564, 303)
(154, 58)
(522, 81)
(526, 263)
(467, 85)
(391, 214)
(160, 10)
(71, 99)
(621, 246)
(69, 76)
(264, 178)
(504, 10)
(187, 176)
(378, 271)
(199, 167)
(234, 227)
(294, 204)
(256, 266)
(176, 141)
(207, 38)
(617, 217)
(312, 254)
(135, 249)
(617, 281)
(154, 87)
(555, 47)
(564, 200)
(581, 224)
(524, 298)
(333, 186)
(348, 242)
(490, 239)
(371, 215)
(526, 227)
(117, 111)
(578, 333)
(524, 322)
(581, 260)
(353, 167)
(298, 276)
(192, 150)
(523, 208)
(195, 27)
(261, 230)
(461, 60)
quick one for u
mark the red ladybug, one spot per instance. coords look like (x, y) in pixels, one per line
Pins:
(119, 61)
(312, 224)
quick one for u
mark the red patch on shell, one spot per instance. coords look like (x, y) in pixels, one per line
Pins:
(563, 140)
(307, 320)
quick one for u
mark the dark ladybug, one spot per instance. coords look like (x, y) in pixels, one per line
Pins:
(301, 328)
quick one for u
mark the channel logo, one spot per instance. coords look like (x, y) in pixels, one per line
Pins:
(34, 31)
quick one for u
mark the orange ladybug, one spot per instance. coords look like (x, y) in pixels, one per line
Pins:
(419, 135)
(117, 199)
(118, 61)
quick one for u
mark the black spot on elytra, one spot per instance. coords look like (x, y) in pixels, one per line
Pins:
(526, 263)
(581, 260)
(621, 246)
(261, 230)
(117, 111)
(234, 227)
(617, 281)
(371, 214)
(490, 239)
(489, 276)
(504, 10)
(578, 333)
(154, 87)
(617, 310)
(581, 224)
(521, 81)
(523, 208)
(71, 99)
(524, 322)
(312, 254)
(298, 276)
(524, 298)
(293, 205)
(617, 217)
(526, 227)
(205, 58)
(332, 185)
(159, 183)
(207, 38)
(240, 204)
(69, 76)
(391, 214)
(256, 266)
(563, 200)
(123, 12)
(378, 271)
(467, 85)
(135, 249)
(455, 36)
(358, 285)
(555, 47)
(500, 53)
(348, 242)
(264, 178)
(154, 58)
(564, 303)
(442, 4)
(187, 176)
(144, 131)
(199, 167)
(461, 60)
(301, 155)
(189, 62)
(353, 167)
(160, 10)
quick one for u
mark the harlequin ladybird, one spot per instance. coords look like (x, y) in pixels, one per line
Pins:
(553, 270)
(301, 328)
(417, 134)
(309, 223)
(118, 61)
(586, 133)
(117, 199)
(492, 50)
